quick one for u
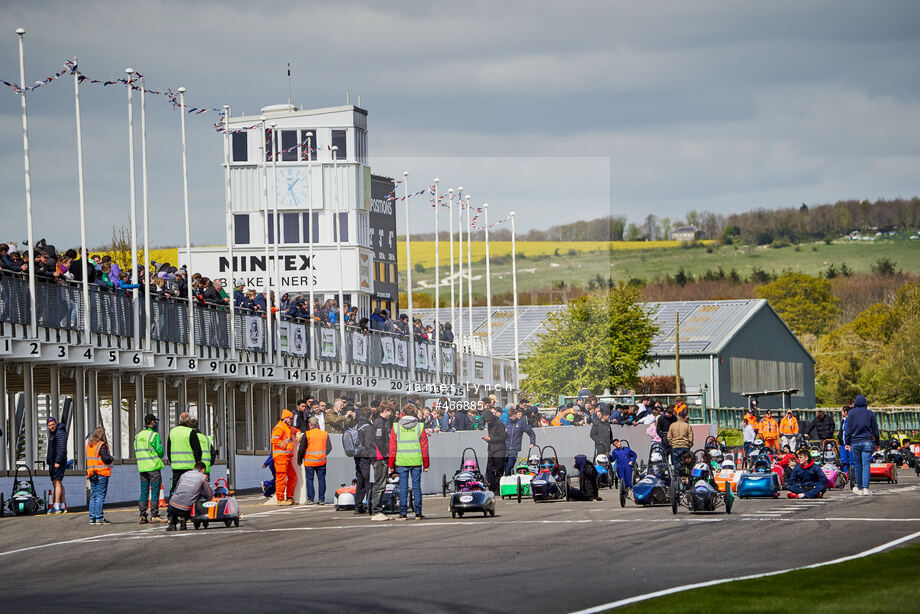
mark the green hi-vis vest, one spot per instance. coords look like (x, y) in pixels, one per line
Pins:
(147, 457)
(181, 455)
(205, 451)
(408, 445)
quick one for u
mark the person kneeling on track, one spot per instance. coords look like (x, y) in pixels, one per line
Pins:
(806, 480)
(587, 481)
(192, 486)
(624, 459)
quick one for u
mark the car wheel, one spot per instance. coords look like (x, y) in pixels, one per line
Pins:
(675, 497)
(519, 489)
(622, 494)
(227, 523)
(196, 524)
(453, 514)
(236, 522)
(444, 485)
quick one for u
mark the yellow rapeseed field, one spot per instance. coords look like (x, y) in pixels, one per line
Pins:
(423, 251)
(166, 254)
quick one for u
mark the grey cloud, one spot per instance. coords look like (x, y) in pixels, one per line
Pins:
(706, 104)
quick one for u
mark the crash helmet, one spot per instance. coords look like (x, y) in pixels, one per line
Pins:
(655, 457)
(816, 455)
(700, 471)
(533, 460)
(878, 457)
(469, 465)
(716, 455)
(547, 464)
(830, 457)
(758, 442)
(728, 463)
(601, 459)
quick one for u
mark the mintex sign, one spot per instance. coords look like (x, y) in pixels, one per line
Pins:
(297, 270)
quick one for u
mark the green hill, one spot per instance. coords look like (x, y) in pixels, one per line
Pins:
(577, 270)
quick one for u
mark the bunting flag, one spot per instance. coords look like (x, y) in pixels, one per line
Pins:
(70, 68)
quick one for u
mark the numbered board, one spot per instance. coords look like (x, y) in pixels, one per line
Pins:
(36, 350)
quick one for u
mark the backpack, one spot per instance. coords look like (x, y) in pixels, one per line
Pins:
(351, 440)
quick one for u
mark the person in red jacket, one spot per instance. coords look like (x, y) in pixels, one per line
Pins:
(409, 455)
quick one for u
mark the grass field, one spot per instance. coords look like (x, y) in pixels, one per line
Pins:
(885, 582)
(423, 251)
(541, 272)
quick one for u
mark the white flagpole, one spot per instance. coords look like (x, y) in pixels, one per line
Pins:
(437, 277)
(409, 279)
(338, 243)
(469, 266)
(146, 279)
(188, 232)
(517, 358)
(485, 212)
(29, 257)
(230, 231)
(277, 224)
(310, 240)
(135, 298)
(459, 321)
(268, 274)
(450, 217)
(84, 255)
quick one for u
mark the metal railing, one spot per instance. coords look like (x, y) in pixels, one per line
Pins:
(60, 305)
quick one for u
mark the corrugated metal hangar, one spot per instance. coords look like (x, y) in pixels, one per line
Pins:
(727, 347)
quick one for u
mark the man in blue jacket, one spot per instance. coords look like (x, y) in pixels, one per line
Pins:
(862, 439)
(807, 481)
(516, 427)
(624, 459)
(57, 464)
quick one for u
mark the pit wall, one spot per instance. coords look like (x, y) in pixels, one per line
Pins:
(445, 450)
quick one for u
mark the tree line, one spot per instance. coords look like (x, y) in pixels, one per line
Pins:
(756, 227)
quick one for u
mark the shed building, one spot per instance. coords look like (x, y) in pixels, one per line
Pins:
(726, 347)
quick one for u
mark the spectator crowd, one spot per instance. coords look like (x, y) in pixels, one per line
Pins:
(164, 281)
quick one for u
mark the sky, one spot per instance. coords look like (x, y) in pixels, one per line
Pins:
(558, 111)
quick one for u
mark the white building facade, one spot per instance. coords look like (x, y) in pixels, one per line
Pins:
(322, 197)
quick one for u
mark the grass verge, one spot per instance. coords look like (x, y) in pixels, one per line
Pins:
(885, 582)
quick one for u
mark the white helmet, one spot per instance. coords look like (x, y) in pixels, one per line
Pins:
(728, 463)
(655, 457)
(758, 442)
(601, 459)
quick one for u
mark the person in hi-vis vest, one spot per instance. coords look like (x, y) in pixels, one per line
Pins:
(409, 456)
(148, 451)
(183, 449)
(207, 447)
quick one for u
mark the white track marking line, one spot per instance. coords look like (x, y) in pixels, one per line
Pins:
(687, 587)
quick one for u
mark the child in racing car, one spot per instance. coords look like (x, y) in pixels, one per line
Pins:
(685, 468)
(806, 480)
(787, 462)
(624, 459)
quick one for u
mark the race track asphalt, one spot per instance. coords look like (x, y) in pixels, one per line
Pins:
(550, 557)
